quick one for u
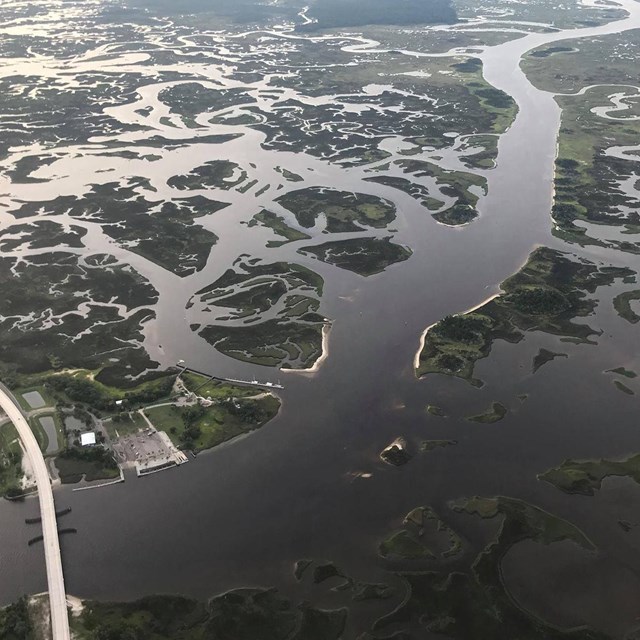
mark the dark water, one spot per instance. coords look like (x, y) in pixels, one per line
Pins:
(245, 512)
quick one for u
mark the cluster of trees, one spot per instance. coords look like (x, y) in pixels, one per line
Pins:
(450, 362)
(192, 431)
(537, 300)
(90, 454)
(15, 623)
(83, 390)
(463, 328)
(248, 411)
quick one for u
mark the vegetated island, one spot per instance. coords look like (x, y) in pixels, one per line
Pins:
(621, 371)
(622, 304)
(620, 386)
(431, 445)
(279, 226)
(291, 338)
(321, 572)
(423, 535)
(344, 211)
(434, 410)
(472, 601)
(543, 356)
(495, 413)
(545, 295)
(364, 256)
(586, 476)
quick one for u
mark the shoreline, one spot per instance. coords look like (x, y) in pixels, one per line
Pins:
(326, 330)
(423, 335)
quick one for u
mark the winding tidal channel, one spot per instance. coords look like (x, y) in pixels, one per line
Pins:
(310, 484)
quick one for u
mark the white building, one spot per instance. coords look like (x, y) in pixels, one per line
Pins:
(88, 439)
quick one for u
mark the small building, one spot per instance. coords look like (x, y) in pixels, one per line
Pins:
(88, 439)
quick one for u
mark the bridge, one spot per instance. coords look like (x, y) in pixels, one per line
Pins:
(53, 559)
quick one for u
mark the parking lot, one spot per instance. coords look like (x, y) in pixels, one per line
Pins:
(148, 450)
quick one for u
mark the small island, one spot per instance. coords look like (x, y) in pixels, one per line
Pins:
(364, 256)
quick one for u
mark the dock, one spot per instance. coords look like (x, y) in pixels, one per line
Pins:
(249, 383)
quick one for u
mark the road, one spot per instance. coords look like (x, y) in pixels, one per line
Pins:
(55, 577)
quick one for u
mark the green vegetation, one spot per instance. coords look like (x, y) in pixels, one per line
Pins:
(90, 463)
(417, 191)
(424, 535)
(291, 339)
(213, 389)
(343, 211)
(586, 476)
(86, 388)
(15, 623)
(456, 215)
(163, 231)
(549, 51)
(364, 256)
(433, 410)
(279, 226)
(125, 423)
(494, 414)
(467, 604)
(324, 571)
(623, 387)
(190, 99)
(405, 545)
(196, 427)
(621, 371)
(216, 174)
(452, 184)
(622, 304)
(10, 462)
(68, 329)
(545, 295)
(241, 614)
(396, 453)
(300, 567)
(272, 343)
(592, 200)
(430, 445)
(543, 356)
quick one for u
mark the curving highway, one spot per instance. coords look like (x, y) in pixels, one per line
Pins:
(55, 578)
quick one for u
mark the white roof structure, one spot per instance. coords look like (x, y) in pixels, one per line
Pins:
(87, 439)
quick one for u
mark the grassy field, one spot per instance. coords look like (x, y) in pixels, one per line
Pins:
(216, 424)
